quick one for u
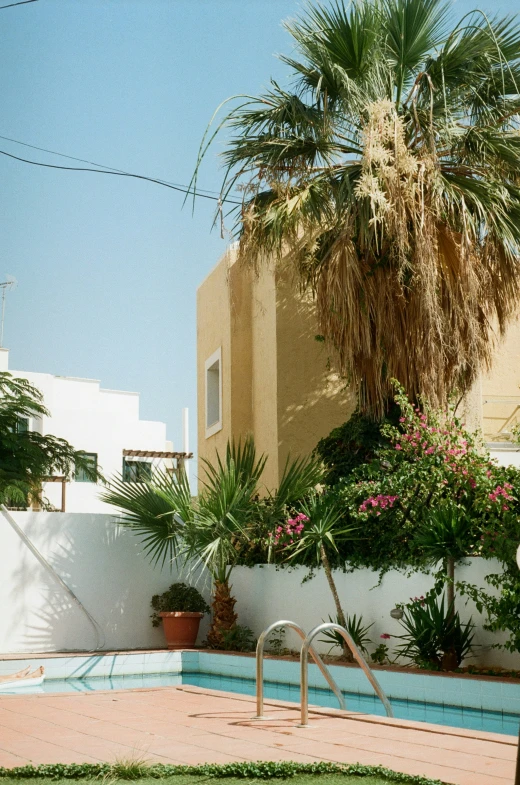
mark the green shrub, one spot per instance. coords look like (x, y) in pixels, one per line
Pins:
(179, 597)
(250, 770)
(238, 638)
(380, 654)
(353, 444)
(355, 628)
(434, 635)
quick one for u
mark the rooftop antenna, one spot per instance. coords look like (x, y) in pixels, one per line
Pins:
(9, 283)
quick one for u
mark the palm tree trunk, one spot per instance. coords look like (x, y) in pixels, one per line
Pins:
(449, 659)
(450, 583)
(223, 616)
(339, 610)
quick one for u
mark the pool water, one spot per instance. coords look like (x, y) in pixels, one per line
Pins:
(439, 714)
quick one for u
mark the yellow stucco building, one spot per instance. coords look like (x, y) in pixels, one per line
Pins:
(260, 370)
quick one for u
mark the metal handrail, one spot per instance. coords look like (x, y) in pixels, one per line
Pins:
(260, 667)
(304, 672)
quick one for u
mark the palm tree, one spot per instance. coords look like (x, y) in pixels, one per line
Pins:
(447, 535)
(389, 174)
(321, 535)
(211, 530)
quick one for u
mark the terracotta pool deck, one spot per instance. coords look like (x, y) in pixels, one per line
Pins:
(192, 725)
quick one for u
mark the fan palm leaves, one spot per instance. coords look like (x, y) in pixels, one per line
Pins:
(211, 530)
(389, 174)
(156, 511)
(448, 535)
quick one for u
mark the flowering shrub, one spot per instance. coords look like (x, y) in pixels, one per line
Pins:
(380, 654)
(377, 503)
(288, 533)
(429, 459)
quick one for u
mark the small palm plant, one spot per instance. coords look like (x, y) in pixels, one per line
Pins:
(447, 536)
(434, 635)
(211, 530)
(223, 518)
(355, 627)
(318, 543)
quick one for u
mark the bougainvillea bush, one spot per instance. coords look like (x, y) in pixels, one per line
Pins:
(430, 461)
(427, 462)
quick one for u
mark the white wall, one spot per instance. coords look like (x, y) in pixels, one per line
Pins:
(506, 454)
(266, 594)
(104, 566)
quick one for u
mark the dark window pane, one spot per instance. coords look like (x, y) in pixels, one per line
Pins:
(136, 471)
(81, 475)
(22, 426)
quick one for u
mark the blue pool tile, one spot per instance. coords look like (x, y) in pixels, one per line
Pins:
(491, 688)
(471, 686)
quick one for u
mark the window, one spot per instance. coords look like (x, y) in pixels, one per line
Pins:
(22, 425)
(81, 474)
(213, 376)
(136, 471)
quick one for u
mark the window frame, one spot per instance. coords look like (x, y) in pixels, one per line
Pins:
(213, 359)
(131, 462)
(96, 464)
(23, 425)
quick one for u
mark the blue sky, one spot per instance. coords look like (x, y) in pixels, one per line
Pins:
(107, 267)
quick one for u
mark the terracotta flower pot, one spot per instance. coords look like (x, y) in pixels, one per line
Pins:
(180, 628)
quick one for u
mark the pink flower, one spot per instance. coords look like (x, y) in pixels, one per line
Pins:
(385, 636)
(398, 447)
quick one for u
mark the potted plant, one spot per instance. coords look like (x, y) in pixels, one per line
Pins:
(180, 609)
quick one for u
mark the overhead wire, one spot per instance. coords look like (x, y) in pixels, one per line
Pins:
(20, 2)
(94, 163)
(120, 173)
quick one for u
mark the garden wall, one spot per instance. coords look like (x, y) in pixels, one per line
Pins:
(104, 566)
(265, 594)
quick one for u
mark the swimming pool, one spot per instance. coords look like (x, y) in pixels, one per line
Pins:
(407, 709)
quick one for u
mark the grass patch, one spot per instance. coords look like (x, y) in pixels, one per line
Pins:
(140, 772)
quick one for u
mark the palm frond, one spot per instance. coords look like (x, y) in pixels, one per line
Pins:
(389, 176)
(155, 511)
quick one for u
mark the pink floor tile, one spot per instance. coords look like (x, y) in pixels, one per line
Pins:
(192, 725)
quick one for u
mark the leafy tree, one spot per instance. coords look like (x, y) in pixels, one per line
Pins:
(389, 175)
(214, 530)
(27, 458)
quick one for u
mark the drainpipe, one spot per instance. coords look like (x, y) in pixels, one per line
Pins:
(186, 440)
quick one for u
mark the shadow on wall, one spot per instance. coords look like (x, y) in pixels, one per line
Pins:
(313, 398)
(106, 569)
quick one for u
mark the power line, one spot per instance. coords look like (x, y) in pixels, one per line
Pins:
(94, 163)
(119, 173)
(20, 2)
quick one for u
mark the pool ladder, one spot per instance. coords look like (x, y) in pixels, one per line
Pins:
(307, 648)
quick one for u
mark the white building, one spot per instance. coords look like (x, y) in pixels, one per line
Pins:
(103, 423)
